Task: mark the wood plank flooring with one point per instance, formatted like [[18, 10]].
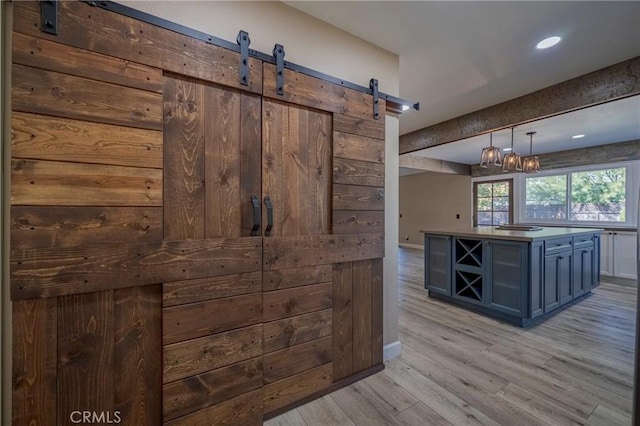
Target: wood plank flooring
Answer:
[[460, 368]]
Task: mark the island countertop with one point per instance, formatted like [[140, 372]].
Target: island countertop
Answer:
[[501, 234]]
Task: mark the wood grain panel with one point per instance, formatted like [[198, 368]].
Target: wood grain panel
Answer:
[[50, 138], [357, 126], [301, 300], [53, 272], [377, 313], [222, 159], [112, 34], [355, 172], [36, 182], [45, 54], [242, 410], [34, 362], [51, 93], [291, 389], [290, 252], [296, 277], [352, 197], [357, 222], [56, 227], [194, 320], [342, 320], [250, 158], [85, 353], [296, 330], [138, 355], [275, 135], [184, 174], [201, 289], [296, 359], [204, 390], [356, 147], [361, 315]]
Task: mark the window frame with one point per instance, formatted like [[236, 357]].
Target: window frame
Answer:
[[474, 195]]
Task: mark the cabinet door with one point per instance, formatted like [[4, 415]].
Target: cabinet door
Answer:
[[625, 255], [551, 279], [582, 278], [565, 272], [437, 264], [507, 273], [606, 253], [596, 258]]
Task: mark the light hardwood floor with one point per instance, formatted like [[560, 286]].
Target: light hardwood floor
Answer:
[[459, 368]]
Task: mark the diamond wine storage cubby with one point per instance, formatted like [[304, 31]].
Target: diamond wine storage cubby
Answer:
[[468, 285], [469, 271], [468, 252]]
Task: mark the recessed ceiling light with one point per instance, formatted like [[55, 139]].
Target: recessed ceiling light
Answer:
[[577, 136], [506, 149], [405, 107], [548, 42]]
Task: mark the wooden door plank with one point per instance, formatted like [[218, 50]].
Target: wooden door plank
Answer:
[[57, 227], [355, 126], [204, 390], [85, 353], [36, 182], [245, 409], [222, 161], [296, 277], [377, 313], [320, 152], [275, 135], [343, 320], [354, 147], [250, 159], [51, 93], [296, 359], [184, 158], [200, 319], [352, 197], [138, 356], [296, 301], [361, 315], [355, 172], [201, 289], [297, 195], [34, 362], [197, 356], [279, 394], [296, 330], [40, 53], [54, 272], [357, 222], [43, 137]]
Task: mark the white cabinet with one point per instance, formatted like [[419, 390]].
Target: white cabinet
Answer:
[[619, 254]]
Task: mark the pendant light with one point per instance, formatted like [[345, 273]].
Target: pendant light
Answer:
[[512, 162], [491, 156], [531, 164]]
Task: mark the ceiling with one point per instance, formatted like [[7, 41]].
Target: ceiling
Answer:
[[457, 57]]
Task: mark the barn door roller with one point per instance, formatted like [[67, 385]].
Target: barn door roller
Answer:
[[49, 14], [243, 40], [373, 85], [278, 54]]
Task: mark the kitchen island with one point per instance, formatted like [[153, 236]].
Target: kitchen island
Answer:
[[513, 275]]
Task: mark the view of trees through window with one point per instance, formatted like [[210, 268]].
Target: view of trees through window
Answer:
[[493, 203]]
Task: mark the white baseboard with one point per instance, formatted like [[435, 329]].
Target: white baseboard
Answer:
[[391, 350], [415, 246]]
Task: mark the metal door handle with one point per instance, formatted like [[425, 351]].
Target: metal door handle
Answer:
[[267, 203], [255, 201]]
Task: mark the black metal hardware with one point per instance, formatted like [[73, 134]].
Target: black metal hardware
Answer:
[[278, 55], [373, 85], [49, 13], [267, 203], [255, 201], [243, 40]]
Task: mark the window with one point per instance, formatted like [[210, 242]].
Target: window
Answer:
[[493, 203]]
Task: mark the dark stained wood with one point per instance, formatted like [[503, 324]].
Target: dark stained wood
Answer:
[[53, 272], [34, 362], [296, 359], [50, 138], [342, 320], [101, 31], [361, 315], [296, 277], [250, 158], [85, 353], [355, 172], [199, 319], [284, 392], [196, 356], [352, 197], [300, 300], [356, 222], [51, 93], [356, 147], [138, 355], [39, 53], [53, 226], [195, 393], [36, 182], [184, 133], [275, 135], [198, 290], [290, 252], [377, 314], [222, 160], [356, 126], [242, 410], [296, 330]]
